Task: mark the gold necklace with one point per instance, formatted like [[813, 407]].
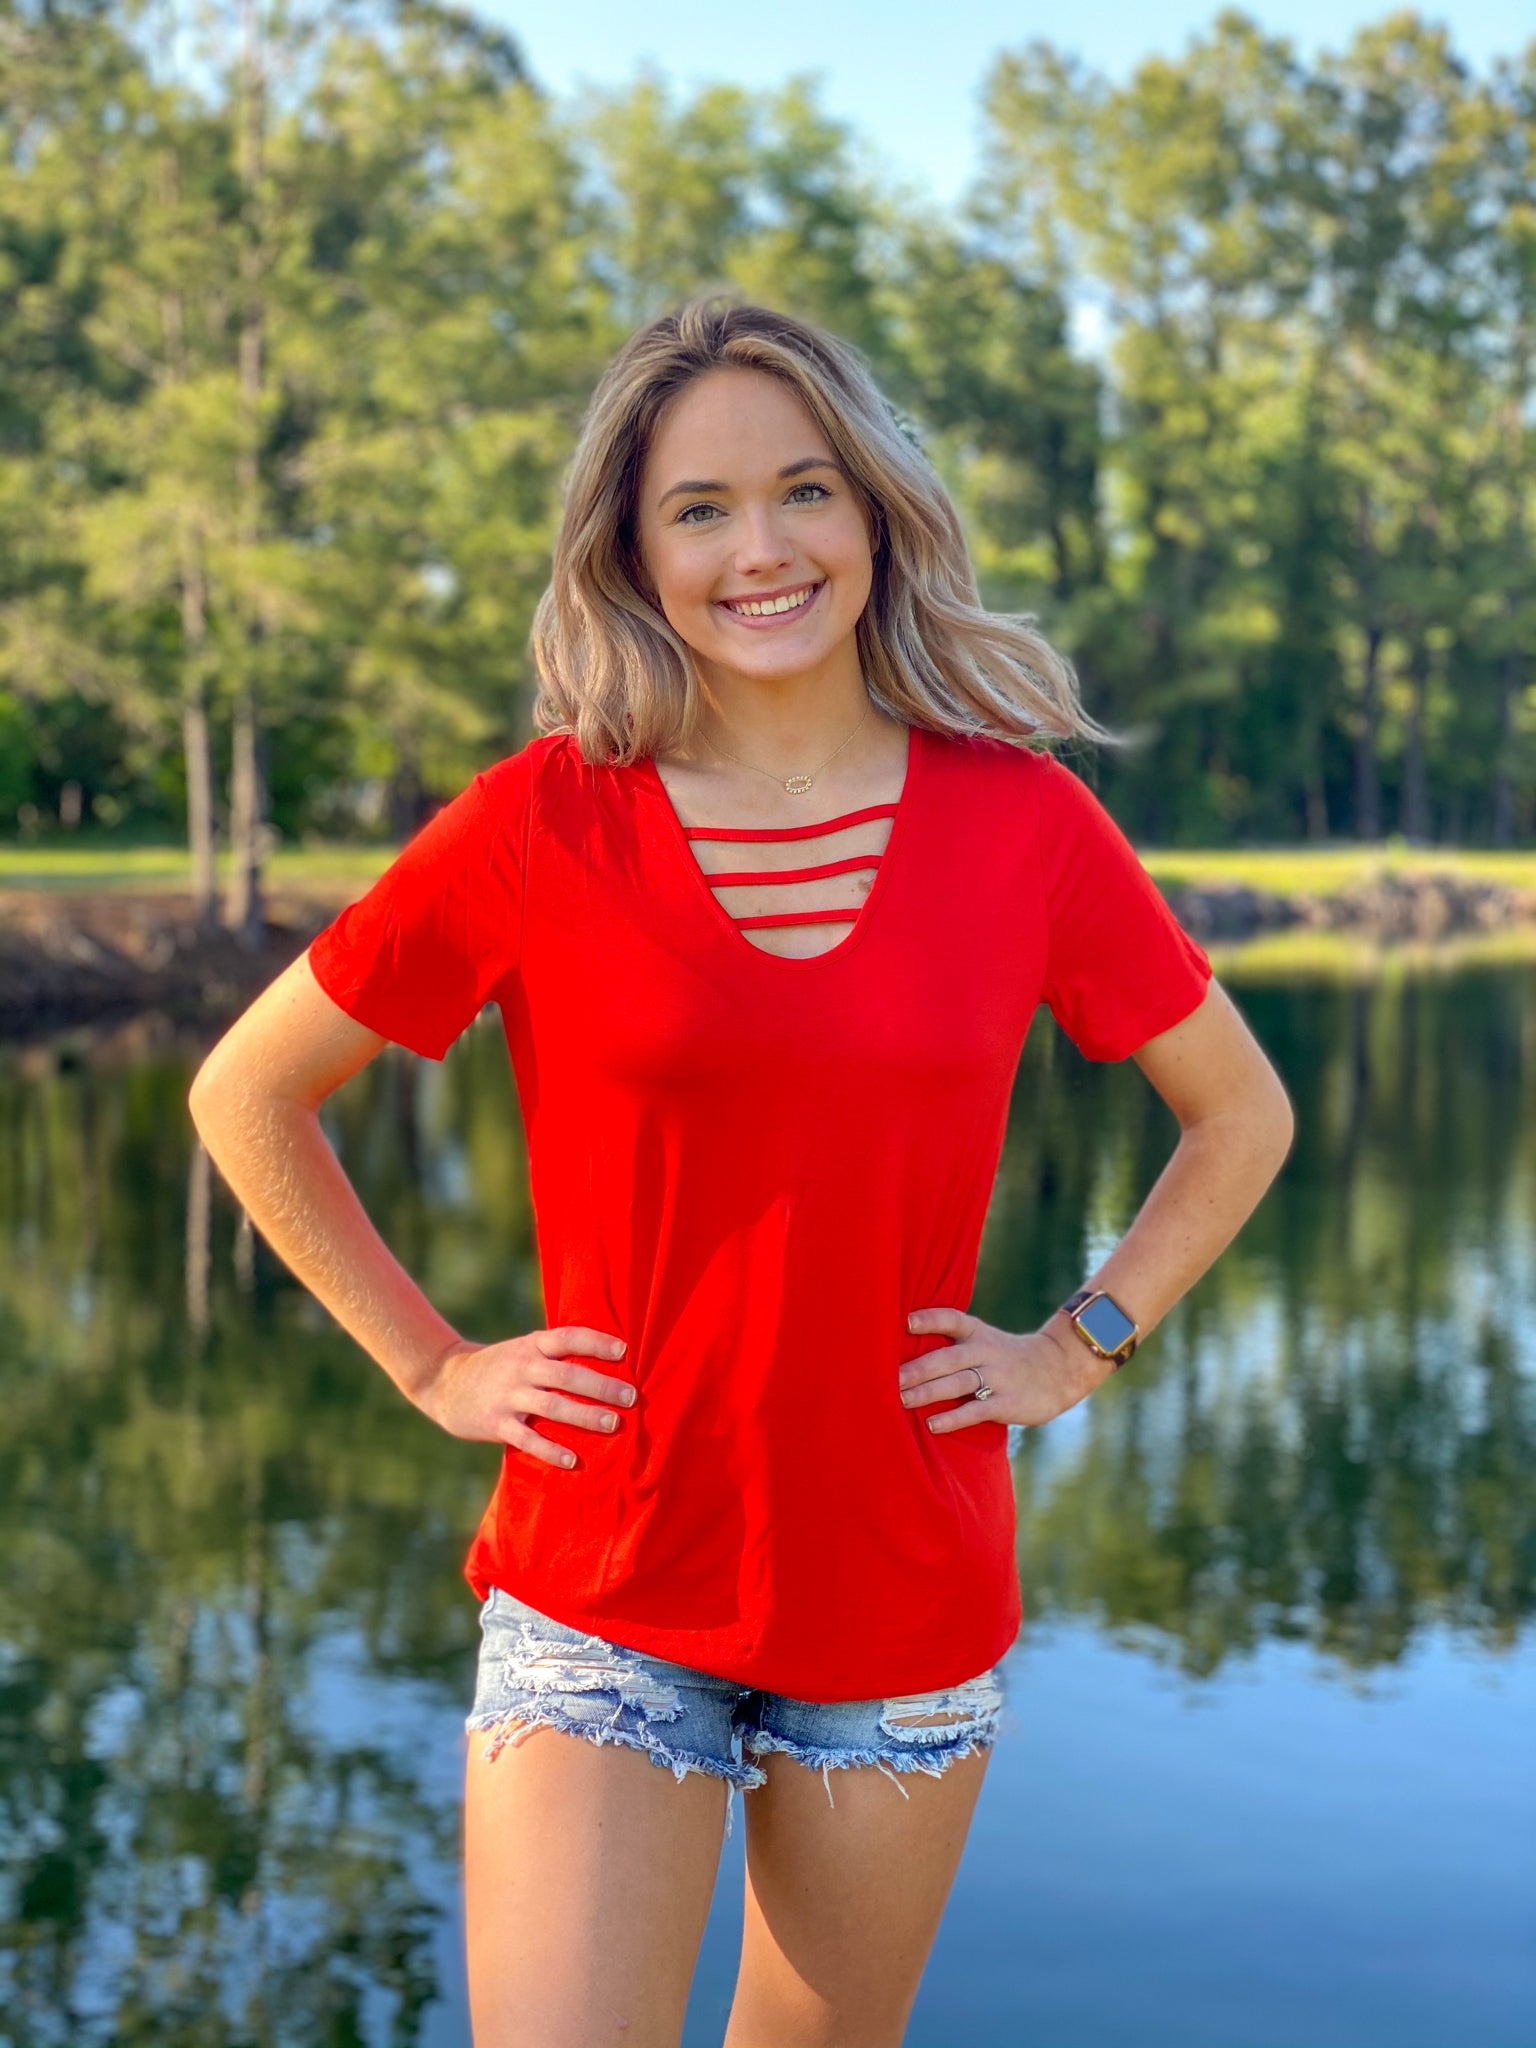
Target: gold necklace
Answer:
[[796, 785]]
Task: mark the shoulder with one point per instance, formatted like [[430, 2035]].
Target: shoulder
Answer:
[[510, 781], [1059, 792], [503, 798], [1009, 785], [1014, 771]]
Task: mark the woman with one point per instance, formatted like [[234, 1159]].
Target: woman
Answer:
[[767, 905]]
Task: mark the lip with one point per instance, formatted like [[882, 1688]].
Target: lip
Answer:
[[760, 625]]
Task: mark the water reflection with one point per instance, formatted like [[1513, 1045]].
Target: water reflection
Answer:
[[235, 1644]]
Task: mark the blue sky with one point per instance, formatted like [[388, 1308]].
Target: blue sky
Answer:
[[906, 76]]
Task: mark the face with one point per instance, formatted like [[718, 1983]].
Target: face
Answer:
[[754, 539]]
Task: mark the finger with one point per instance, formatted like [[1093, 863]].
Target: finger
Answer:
[[959, 1418], [577, 1337], [522, 1438], [943, 1322], [946, 1359], [581, 1379], [584, 1414], [945, 1386]]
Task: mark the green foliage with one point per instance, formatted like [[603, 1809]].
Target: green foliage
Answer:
[[1279, 515]]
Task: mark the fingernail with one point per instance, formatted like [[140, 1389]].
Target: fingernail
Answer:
[[912, 1322], [566, 1458], [630, 1397], [619, 1346], [610, 1422]]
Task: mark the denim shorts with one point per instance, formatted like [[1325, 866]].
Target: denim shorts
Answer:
[[537, 1672]]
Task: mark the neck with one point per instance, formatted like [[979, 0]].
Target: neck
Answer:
[[787, 722]]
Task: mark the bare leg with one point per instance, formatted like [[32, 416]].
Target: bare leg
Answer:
[[588, 1873], [843, 1904]]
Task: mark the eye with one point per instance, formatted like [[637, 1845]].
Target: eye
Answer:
[[820, 490], [685, 517]]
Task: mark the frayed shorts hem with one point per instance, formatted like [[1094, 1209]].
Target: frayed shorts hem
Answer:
[[536, 1672], [888, 1760], [678, 1762]]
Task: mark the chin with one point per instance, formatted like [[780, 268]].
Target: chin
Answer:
[[770, 664]]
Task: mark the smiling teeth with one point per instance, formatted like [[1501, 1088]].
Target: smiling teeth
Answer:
[[774, 604]]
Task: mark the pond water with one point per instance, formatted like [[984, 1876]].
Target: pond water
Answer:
[[1268, 1776]]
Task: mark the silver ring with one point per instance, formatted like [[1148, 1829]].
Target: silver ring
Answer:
[[983, 1391]]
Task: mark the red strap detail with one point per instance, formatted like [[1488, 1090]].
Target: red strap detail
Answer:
[[790, 831], [831, 867], [804, 917]]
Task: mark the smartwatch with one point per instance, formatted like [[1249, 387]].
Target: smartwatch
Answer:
[[1102, 1324]]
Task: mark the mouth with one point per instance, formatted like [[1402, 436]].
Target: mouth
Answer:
[[773, 607]]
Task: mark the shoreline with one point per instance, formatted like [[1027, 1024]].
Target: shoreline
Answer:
[[1390, 904], [79, 956], [71, 957]]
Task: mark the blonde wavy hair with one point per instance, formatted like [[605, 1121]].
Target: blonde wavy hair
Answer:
[[614, 673]]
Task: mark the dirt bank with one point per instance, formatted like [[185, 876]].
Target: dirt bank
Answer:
[[72, 957], [1387, 905]]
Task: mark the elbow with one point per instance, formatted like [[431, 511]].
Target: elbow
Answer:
[[1280, 1118], [207, 1093], [1261, 1120], [200, 1100], [1268, 1111]]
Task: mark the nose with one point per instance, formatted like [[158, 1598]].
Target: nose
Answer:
[[760, 543]]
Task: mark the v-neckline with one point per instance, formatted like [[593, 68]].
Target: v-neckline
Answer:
[[722, 917]]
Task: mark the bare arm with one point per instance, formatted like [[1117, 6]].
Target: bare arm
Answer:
[[255, 1102], [1236, 1129]]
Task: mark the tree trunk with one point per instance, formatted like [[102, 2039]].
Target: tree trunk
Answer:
[[1316, 797], [1502, 823], [1413, 811], [405, 798], [196, 739], [1512, 663], [1314, 784], [244, 910], [1367, 769]]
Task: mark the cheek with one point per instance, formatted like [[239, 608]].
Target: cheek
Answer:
[[850, 561], [847, 543], [684, 579]]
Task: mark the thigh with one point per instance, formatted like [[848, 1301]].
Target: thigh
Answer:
[[844, 1896], [588, 1874], [595, 1792]]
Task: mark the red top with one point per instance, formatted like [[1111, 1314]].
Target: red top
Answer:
[[753, 1167]]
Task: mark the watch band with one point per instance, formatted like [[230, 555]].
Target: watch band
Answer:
[[1080, 1299]]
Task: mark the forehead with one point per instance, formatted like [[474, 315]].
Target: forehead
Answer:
[[731, 422]]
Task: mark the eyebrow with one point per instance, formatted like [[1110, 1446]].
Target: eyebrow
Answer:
[[790, 469]]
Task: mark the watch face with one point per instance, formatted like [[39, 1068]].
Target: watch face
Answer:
[[1106, 1324]]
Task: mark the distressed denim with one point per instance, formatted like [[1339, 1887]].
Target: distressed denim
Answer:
[[535, 1672]]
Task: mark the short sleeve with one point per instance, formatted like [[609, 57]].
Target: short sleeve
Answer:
[[1121, 968], [438, 934]]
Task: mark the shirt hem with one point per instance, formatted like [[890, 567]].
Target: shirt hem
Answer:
[[715, 1654]]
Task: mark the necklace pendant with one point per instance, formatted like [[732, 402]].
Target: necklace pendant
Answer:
[[797, 785]]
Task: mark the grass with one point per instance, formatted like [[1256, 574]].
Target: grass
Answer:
[[334, 870], [1325, 870]]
